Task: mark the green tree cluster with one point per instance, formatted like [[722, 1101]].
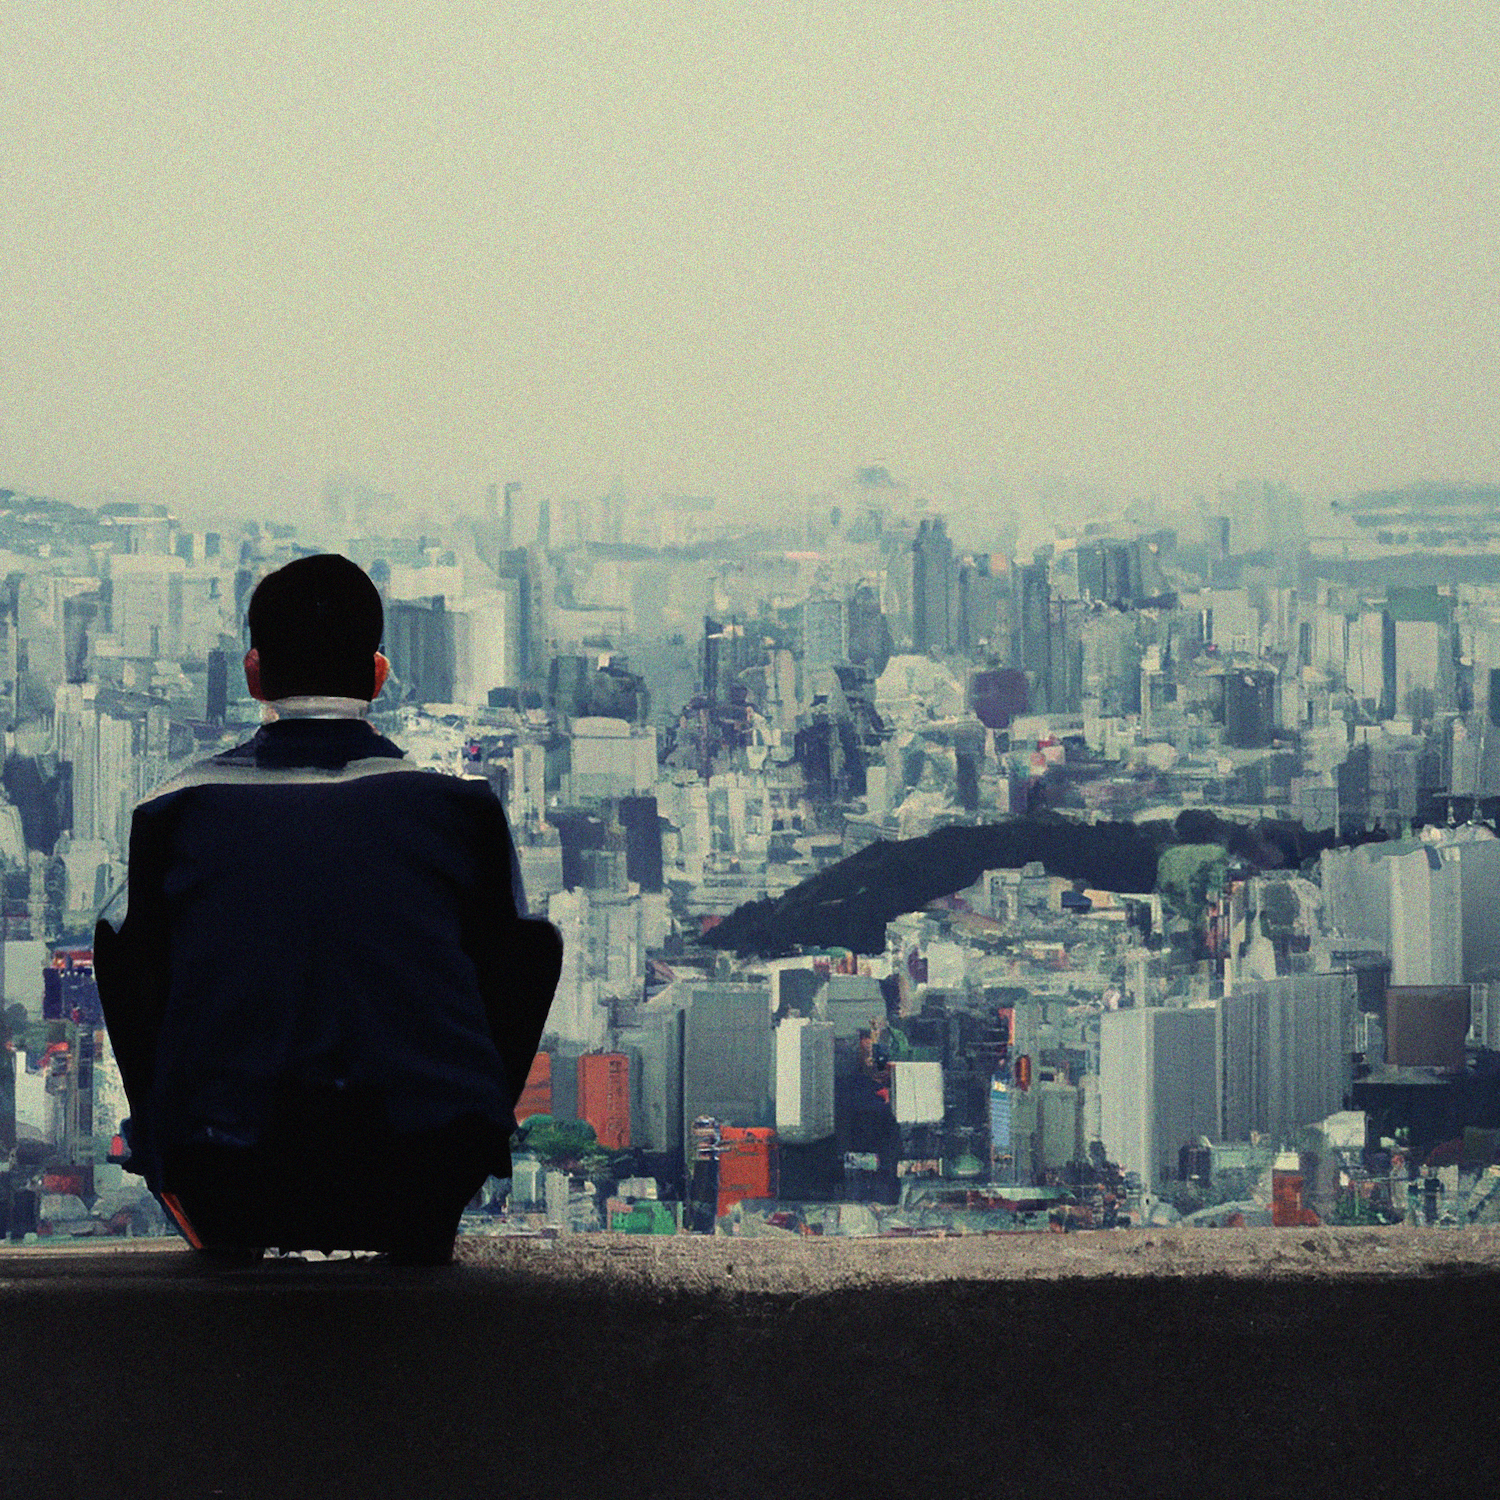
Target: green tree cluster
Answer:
[[567, 1145], [1187, 874]]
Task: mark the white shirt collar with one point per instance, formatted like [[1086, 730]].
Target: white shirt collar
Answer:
[[310, 707]]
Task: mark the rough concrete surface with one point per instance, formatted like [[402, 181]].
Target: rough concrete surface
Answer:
[[1249, 1362], [796, 1266]]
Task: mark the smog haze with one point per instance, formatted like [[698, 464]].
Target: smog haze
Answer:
[[739, 249]]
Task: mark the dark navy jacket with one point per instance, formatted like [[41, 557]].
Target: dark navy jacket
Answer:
[[310, 908]]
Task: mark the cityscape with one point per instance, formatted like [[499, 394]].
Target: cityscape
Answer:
[[964, 539], [917, 877]]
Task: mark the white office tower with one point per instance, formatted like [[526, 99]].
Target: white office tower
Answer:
[[486, 644], [1424, 667], [1429, 903], [12, 836], [1426, 917], [1158, 1086], [39, 622], [1444, 896], [804, 1080], [1364, 660], [577, 1014], [917, 1093], [37, 1115], [1230, 620], [25, 959], [1284, 1054], [89, 877], [1357, 893], [606, 934], [115, 762]]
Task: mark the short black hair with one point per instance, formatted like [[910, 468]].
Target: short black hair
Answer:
[[317, 624]]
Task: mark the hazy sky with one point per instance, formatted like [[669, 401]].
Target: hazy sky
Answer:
[[715, 248]]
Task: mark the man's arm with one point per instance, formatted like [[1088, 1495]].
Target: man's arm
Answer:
[[132, 966], [518, 959]]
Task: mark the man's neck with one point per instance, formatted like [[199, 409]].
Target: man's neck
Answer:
[[308, 706]]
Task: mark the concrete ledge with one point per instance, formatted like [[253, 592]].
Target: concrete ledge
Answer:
[[791, 1265], [1086, 1364]]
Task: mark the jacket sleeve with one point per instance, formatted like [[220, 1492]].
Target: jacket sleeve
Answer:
[[518, 958], [133, 966]]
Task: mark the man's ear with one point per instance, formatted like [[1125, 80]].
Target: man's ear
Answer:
[[382, 671], [252, 675]]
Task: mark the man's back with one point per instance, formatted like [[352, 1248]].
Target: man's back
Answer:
[[325, 925], [313, 918]]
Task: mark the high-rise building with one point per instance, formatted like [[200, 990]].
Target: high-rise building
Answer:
[[146, 597], [934, 595], [869, 634], [641, 823], [488, 645], [1059, 1139], [419, 643], [654, 1045], [726, 1063], [604, 1097], [116, 756], [611, 758], [804, 1080], [1013, 1124], [216, 693], [1429, 903], [1249, 708], [983, 616], [1158, 1086], [824, 644], [1032, 651], [1109, 572], [518, 574], [1423, 668], [1285, 1053]]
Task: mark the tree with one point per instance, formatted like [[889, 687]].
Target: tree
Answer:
[[1187, 875], [569, 1145]]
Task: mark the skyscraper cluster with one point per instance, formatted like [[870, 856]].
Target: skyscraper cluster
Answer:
[[688, 716]]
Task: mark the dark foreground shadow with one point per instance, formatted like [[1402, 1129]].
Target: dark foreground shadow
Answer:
[[149, 1374]]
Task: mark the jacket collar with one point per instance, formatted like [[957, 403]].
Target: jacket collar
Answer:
[[310, 707]]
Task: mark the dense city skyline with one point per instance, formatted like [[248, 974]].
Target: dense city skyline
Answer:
[[905, 884]]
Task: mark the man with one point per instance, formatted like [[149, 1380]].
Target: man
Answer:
[[323, 999]]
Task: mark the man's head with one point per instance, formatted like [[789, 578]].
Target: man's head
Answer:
[[315, 628]]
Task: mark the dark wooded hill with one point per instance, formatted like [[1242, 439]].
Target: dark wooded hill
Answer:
[[848, 904]]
